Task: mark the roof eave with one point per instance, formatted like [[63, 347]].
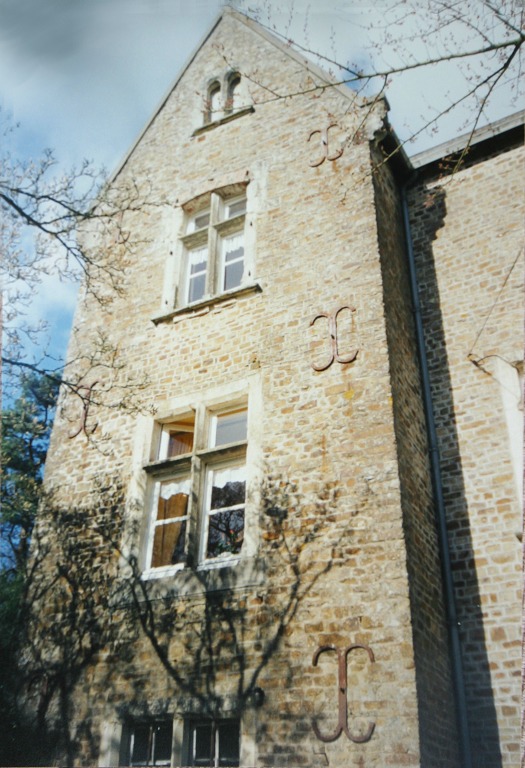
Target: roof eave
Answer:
[[477, 142]]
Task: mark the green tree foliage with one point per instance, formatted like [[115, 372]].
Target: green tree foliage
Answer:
[[26, 428]]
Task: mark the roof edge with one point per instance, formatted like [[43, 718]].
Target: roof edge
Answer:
[[470, 139], [288, 49], [271, 38], [120, 165]]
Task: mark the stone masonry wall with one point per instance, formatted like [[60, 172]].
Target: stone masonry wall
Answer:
[[332, 507], [468, 238]]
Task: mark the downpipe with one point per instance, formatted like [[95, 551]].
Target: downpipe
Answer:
[[448, 583]]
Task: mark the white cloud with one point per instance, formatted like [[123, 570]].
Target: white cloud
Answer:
[[89, 74]]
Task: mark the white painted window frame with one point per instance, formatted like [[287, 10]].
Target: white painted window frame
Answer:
[[221, 227], [204, 456]]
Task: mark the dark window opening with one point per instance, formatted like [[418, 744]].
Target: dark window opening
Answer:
[[215, 743], [150, 743]]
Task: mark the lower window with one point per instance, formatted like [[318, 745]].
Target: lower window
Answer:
[[223, 513], [198, 488], [214, 743], [150, 743]]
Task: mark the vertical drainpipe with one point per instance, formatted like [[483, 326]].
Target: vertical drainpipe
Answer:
[[435, 468]]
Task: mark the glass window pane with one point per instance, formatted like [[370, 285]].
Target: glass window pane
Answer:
[[228, 487], [233, 276], [234, 94], [169, 538], [140, 745], [234, 254], [233, 260], [162, 744], [235, 208], [168, 544], [173, 498], [177, 437], [197, 268], [230, 427], [225, 533], [198, 221], [198, 260], [233, 247], [201, 220], [214, 102], [229, 743], [202, 744], [179, 443], [196, 288]]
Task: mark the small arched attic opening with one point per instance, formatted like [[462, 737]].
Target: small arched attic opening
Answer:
[[213, 102], [233, 96]]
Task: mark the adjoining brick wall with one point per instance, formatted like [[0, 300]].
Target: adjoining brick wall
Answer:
[[468, 239], [437, 716]]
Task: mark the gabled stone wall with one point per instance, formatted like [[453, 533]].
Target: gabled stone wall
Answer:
[[329, 560], [338, 558]]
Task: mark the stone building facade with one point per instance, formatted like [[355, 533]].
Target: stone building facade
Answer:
[[259, 561]]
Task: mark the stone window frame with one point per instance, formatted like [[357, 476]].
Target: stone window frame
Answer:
[[233, 94], [196, 466], [216, 724], [115, 733], [127, 741], [213, 102], [186, 750], [173, 306]]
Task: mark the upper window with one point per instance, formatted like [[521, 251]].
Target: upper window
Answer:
[[197, 510], [233, 101], [214, 248]]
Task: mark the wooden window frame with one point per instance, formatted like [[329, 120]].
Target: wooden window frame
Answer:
[[195, 465], [213, 236]]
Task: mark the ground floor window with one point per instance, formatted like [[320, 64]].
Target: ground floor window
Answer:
[[181, 741], [214, 743], [149, 743]]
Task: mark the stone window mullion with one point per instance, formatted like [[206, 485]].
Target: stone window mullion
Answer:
[[213, 246], [197, 480]]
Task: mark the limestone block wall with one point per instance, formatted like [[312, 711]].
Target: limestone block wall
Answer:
[[332, 509], [468, 238]]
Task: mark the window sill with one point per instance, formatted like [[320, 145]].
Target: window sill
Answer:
[[183, 462], [223, 120], [174, 464], [214, 576], [203, 306]]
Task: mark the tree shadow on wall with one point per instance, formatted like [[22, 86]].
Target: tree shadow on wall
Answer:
[[96, 639], [428, 216], [63, 625]]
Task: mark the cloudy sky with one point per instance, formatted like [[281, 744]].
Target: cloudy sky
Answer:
[[84, 76]]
